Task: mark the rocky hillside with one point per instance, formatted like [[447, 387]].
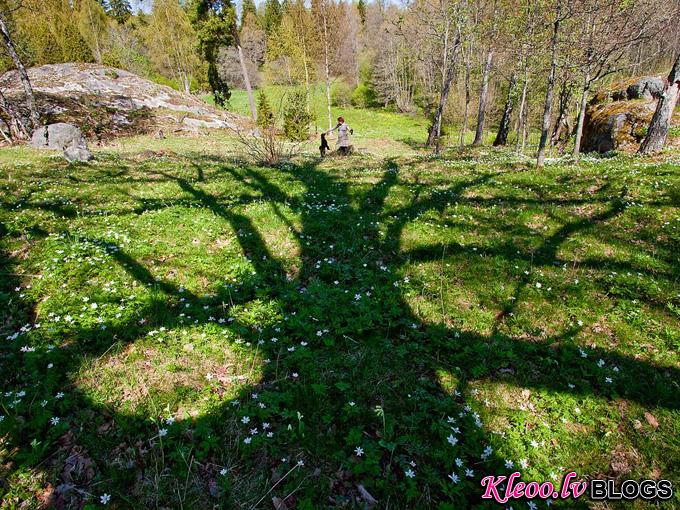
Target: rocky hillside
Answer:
[[106, 102]]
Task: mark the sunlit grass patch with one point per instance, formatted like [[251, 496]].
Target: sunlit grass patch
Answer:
[[184, 372]]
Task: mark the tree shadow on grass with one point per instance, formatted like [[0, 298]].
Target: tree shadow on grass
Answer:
[[352, 365]]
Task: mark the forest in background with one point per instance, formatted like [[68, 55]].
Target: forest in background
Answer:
[[514, 66]]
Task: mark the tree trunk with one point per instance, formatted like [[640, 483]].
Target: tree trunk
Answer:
[[326, 64], [479, 134], [550, 91], [565, 97], [504, 126], [23, 75], [521, 119], [581, 116], [661, 121], [17, 129], [244, 72], [306, 67], [466, 109], [435, 133]]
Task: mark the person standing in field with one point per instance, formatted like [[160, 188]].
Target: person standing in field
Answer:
[[343, 136]]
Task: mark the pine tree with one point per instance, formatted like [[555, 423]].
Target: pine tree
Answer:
[[49, 33], [248, 12], [272, 16], [120, 10], [214, 23], [296, 119], [265, 114]]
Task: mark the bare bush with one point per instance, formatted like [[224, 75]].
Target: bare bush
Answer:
[[266, 146]]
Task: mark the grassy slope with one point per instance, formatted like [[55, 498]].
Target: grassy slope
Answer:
[[348, 303], [372, 128]]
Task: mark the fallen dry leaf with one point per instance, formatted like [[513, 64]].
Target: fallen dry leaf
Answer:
[[47, 496], [651, 420]]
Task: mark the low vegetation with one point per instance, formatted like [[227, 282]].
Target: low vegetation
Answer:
[[182, 329]]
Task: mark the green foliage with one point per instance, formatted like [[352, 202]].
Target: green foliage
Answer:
[[273, 12], [674, 195], [407, 319], [169, 27], [112, 59], [367, 124], [249, 12], [74, 48], [265, 114], [361, 8], [296, 119], [93, 25], [120, 10], [214, 22], [48, 33], [364, 96], [341, 94], [219, 87]]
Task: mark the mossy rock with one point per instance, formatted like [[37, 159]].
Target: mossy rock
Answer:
[[616, 125], [618, 116]]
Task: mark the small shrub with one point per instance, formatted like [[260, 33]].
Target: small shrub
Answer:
[[112, 59], [265, 114], [364, 96], [444, 130], [111, 73], [296, 118], [266, 147], [341, 94]]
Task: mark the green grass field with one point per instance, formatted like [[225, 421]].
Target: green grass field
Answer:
[[372, 127], [376, 130], [182, 329]]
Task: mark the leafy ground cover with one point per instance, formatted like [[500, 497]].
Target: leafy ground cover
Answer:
[[184, 330]]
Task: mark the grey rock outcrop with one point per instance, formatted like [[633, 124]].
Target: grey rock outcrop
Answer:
[[64, 137], [649, 88], [112, 102], [57, 136]]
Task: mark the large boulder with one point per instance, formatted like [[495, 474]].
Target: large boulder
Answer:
[[617, 118], [57, 136], [616, 126], [63, 137]]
